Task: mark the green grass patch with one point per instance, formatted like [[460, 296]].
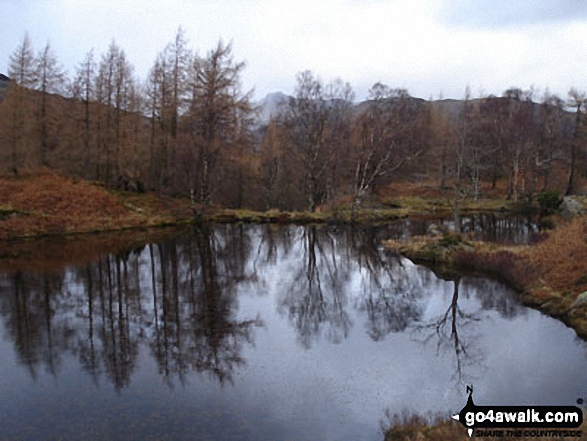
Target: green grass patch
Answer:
[[305, 217]]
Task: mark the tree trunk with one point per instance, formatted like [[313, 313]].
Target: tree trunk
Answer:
[[455, 212], [571, 183]]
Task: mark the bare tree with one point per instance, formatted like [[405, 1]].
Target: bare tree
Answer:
[[340, 96], [271, 165], [577, 100], [179, 58], [84, 90], [114, 88], [382, 148], [22, 64], [550, 138], [50, 80], [157, 104], [167, 98], [521, 131], [316, 125], [22, 72], [219, 116], [462, 155], [305, 121]]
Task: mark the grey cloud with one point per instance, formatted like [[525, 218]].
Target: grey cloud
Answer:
[[507, 13]]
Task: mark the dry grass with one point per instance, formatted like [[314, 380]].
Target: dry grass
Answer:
[[558, 261], [561, 259], [550, 274], [46, 203], [343, 216]]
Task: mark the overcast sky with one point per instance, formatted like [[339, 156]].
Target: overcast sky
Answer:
[[430, 47]]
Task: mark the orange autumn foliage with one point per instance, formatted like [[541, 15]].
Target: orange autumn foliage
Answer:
[[46, 203]]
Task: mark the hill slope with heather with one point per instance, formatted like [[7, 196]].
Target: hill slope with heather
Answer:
[[47, 203]]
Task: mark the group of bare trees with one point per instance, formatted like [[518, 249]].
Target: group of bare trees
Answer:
[[190, 129], [530, 144], [180, 131], [90, 126], [333, 149]]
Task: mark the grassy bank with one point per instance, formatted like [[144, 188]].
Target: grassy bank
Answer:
[[331, 216], [49, 204], [551, 275], [45, 203]]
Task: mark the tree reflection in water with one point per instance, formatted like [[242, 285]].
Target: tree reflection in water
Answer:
[[316, 301], [338, 268], [38, 338], [454, 329], [198, 330], [390, 294], [177, 297], [445, 330]]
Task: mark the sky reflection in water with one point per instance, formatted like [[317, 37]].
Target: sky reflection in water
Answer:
[[264, 332]]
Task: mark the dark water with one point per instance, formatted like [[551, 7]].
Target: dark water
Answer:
[[262, 333], [492, 227]]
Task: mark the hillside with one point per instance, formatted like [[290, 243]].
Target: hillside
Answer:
[[47, 203]]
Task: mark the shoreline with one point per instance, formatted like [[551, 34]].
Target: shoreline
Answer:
[[539, 273], [47, 204]]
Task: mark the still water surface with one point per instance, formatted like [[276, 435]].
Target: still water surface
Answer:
[[264, 333], [491, 227]]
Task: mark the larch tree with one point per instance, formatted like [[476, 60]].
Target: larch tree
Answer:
[[22, 72], [156, 104], [83, 90], [114, 84], [167, 98], [218, 119], [50, 79], [179, 58]]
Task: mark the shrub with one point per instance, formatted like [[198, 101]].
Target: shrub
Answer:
[[450, 240], [560, 259], [549, 201], [547, 223], [502, 264]]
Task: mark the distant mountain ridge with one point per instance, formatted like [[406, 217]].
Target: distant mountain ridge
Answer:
[[274, 103], [271, 106]]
